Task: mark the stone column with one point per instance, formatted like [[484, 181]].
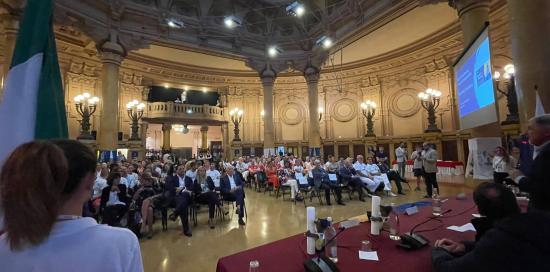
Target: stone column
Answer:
[[268, 79], [166, 129], [311, 75], [144, 126], [530, 28], [10, 27], [111, 57], [391, 153], [204, 138], [473, 15], [225, 141]]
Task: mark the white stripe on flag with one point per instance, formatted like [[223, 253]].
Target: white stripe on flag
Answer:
[[18, 108]]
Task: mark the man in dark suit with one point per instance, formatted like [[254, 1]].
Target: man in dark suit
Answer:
[[231, 187], [349, 176], [536, 182], [178, 191], [321, 181]]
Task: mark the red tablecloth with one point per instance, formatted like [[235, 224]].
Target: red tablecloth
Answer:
[[451, 164], [289, 254]]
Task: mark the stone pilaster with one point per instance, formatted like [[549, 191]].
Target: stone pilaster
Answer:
[[268, 79], [311, 74]]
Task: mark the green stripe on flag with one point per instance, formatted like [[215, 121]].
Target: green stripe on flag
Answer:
[[36, 36], [51, 118]]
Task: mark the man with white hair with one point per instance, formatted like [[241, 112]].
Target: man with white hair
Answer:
[[535, 182], [375, 174], [363, 173]]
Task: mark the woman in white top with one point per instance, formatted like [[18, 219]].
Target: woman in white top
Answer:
[[44, 230], [502, 164]]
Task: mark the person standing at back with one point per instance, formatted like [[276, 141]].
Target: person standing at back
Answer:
[[416, 156], [44, 229], [429, 163], [401, 155]]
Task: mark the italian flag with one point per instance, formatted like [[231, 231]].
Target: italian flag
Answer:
[[33, 105]]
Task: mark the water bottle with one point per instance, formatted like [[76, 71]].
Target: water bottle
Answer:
[[331, 247], [436, 203], [393, 222]]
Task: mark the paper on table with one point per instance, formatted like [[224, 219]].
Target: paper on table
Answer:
[[464, 228], [368, 255]]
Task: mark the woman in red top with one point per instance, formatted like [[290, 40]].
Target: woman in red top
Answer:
[[271, 171]]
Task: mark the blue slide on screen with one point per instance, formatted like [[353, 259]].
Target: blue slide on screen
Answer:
[[474, 81]]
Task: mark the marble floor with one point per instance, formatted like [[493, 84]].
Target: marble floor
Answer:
[[269, 219]]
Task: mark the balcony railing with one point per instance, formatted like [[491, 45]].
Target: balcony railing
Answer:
[[171, 110]]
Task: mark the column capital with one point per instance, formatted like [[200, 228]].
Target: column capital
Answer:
[[311, 74], [166, 126], [204, 128], [111, 50], [463, 6]]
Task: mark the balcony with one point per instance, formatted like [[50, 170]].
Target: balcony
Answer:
[[171, 112]]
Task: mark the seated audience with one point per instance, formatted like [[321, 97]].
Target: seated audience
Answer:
[[51, 234], [215, 175], [392, 175], [364, 175], [332, 165], [516, 242], [290, 179], [178, 191], [144, 198], [232, 190], [321, 180], [203, 188], [114, 200], [375, 174], [99, 184], [350, 178]]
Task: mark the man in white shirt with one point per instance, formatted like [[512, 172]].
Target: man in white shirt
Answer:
[[375, 174], [132, 177], [123, 176], [214, 174], [192, 172], [361, 169], [401, 157]]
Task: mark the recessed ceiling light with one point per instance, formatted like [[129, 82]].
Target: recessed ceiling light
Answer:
[[185, 88], [327, 43], [166, 85], [273, 51], [204, 89], [295, 9], [231, 21], [174, 23]]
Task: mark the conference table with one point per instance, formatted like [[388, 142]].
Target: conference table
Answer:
[[289, 254], [448, 168]]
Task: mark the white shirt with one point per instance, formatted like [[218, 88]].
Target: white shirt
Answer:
[[99, 184], [77, 245], [132, 179], [501, 166], [215, 176], [192, 174], [124, 181], [181, 182], [401, 154], [232, 182], [416, 156], [373, 169], [361, 167]]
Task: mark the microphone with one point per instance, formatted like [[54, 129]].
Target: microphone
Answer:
[[429, 219], [412, 241]]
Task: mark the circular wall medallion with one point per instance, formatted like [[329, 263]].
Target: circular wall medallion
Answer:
[[404, 103], [344, 110], [291, 113]]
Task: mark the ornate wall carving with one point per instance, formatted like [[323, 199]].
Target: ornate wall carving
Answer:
[[344, 110], [291, 113], [404, 103]]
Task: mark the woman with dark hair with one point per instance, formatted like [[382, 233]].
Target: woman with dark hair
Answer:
[[114, 200], [42, 213], [502, 164]]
